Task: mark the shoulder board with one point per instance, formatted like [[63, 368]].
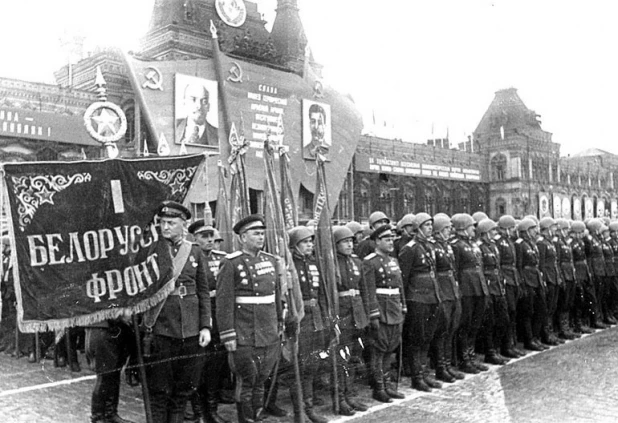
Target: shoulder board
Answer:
[[454, 241], [411, 244], [498, 237], [234, 255], [267, 254], [431, 239], [519, 241], [223, 253], [554, 239], [539, 239], [370, 256], [354, 255]]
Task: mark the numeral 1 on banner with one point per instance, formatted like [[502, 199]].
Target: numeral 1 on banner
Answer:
[[117, 196]]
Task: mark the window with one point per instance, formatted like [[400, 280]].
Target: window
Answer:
[[498, 167]]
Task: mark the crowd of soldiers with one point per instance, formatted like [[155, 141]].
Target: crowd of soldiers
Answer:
[[432, 298]]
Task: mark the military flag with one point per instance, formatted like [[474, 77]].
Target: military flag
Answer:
[[222, 215], [86, 244]]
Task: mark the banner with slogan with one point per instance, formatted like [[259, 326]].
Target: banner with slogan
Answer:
[[87, 247]]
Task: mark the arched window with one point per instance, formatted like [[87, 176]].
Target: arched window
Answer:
[[500, 206], [498, 167]]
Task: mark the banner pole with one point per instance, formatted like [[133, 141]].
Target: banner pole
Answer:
[[142, 370]]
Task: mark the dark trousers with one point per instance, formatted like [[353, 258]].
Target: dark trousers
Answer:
[[552, 294], [421, 324], [448, 323], [252, 366], [513, 293], [110, 349], [214, 372], [472, 313], [496, 323], [173, 373], [532, 313]]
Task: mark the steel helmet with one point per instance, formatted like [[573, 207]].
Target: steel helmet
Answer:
[[506, 222], [406, 220], [525, 224], [613, 226], [606, 220], [478, 216], [298, 233], [421, 218], [546, 222], [462, 221], [354, 226], [562, 223], [594, 225], [486, 225], [376, 217], [533, 217], [342, 232], [441, 221], [578, 226]]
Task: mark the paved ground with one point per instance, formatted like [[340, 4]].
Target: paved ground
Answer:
[[575, 382]]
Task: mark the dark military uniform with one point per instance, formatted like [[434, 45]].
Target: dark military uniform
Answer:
[[448, 322], [386, 303], [548, 265], [596, 262], [508, 265], [247, 313], [422, 294], [585, 296], [365, 247], [474, 293], [609, 283], [566, 298], [614, 287], [176, 362], [215, 364], [532, 310], [496, 322]]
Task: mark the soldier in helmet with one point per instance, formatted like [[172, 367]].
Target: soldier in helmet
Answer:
[[548, 265], [205, 400], [376, 220], [448, 321], [249, 315], [496, 321], [596, 260], [357, 230], [613, 242], [567, 271], [532, 308], [585, 303], [353, 313], [508, 265], [386, 298], [473, 288], [610, 277], [408, 228], [418, 267]]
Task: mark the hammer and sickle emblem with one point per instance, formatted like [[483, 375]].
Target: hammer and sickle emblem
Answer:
[[318, 89], [235, 73], [154, 79]]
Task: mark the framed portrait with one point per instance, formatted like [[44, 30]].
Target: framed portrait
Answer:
[[317, 129], [196, 111]]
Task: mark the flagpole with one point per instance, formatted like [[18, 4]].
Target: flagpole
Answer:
[[216, 56], [142, 370]]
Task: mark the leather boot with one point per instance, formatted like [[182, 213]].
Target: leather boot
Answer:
[[455, 373], [379, 394], [315, 417], [245, 413], [117, 419], [176, 418], [442, 372], [356, 405], [565, 330], [345, 409], [492, 357], [466, 365], [418, 382], [475, 362], [210, 406], [429, 379]]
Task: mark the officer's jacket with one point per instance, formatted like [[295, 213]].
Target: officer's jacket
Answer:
[[382, 274], [401, 242], [213, 260], [365, 247], [312, 289], [565, 259], [614, 244], [608, 254], [418, 267], [594, 255], [491, 267], [445, 265], [528, 262], [548, 260], [469, 267], [241, 277], [353, 309], [578, 247], [182, 316], [508, 259]]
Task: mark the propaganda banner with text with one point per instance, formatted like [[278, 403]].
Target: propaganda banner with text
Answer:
[[86, 243]]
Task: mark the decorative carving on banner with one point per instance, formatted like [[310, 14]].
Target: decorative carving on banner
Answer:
[[175, 178], [33, 191]]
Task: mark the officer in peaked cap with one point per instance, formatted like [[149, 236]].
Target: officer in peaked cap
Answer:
[[249, 314], [386, 298], [205, 400], [181, 325]]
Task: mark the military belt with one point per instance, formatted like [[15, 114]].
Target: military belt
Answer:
[[446, 273], [387, 291], [349, 293], [183, 290], [310, 303], [424, 274], [508, 266], [266, 299], [581, 262], [213, 293]]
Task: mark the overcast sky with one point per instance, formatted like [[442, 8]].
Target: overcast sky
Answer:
[[414, 65]]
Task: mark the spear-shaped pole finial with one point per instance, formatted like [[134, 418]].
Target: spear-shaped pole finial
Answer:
[[213, 30], [99, 81]]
